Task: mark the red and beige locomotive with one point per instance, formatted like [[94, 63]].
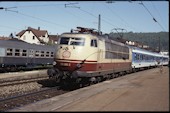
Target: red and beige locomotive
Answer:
[[86, 55]]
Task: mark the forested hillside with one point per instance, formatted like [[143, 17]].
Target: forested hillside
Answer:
[[151, 38]]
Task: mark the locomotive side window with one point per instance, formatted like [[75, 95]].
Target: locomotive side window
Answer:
[[114, 51], [9, 52], [17, 52], [93, 43]]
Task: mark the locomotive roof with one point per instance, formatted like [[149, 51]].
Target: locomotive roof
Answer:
[[24, 45]]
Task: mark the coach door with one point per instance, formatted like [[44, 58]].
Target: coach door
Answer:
[[31, 59]]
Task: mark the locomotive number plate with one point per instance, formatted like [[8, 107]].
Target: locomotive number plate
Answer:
[[65, 64]]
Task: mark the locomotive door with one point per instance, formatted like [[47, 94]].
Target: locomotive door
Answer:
[[100, 54], [31, 60]]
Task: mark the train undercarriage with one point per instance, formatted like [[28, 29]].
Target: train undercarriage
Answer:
[[84, 78]]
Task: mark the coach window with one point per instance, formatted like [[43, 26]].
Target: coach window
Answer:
[[17, 52], [42, 53], [47, 54], [24, 52], [9, 52], [52, 54], [37, 53], [93, 43], [135, 56], [141, 57]]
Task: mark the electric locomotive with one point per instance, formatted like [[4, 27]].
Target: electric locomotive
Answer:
[[87, 55]]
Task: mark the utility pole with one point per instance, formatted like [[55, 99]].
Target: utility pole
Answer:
[[99, 25], [159, 45]]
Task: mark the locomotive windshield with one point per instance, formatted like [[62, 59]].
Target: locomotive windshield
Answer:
[[72, 41]]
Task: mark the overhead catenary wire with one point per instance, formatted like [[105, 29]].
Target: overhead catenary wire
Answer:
[[151, 15], [53, 23], [119, 17], [45, 5], [73, 5], [76, 16], [157, 12], [97, 17]]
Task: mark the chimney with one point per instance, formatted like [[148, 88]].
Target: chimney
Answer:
[[38, 28], [29, 27]]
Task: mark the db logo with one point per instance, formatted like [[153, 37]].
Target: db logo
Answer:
[[66, 54]]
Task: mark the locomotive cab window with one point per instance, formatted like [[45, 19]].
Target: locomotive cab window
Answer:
[[77, 41], [93, 43], [64, 40], [72, 41]]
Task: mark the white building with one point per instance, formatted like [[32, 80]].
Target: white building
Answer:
[[32, 35]]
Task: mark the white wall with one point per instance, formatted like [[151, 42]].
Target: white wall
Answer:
[[28, 37], [45, 39]]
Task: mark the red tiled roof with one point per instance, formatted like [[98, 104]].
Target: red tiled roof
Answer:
[[36, 32], [21, 33], [4, 38], [53, 37]]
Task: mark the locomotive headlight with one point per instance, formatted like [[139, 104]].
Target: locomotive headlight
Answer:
[[78, 65], [54, 63]]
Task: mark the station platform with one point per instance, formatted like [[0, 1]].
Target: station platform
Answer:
[[142, 91], [12, 76]]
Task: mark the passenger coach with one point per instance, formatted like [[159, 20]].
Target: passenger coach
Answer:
[[16, 54], [146, 59]]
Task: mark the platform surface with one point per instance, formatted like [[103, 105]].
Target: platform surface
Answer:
[[142, 91]]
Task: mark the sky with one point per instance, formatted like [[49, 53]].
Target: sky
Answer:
[[58, 17]]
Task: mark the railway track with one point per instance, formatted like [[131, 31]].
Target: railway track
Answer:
[[20, 100], [22, 81]]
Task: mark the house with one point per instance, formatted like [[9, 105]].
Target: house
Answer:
[[53, 39], [33, 36]]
